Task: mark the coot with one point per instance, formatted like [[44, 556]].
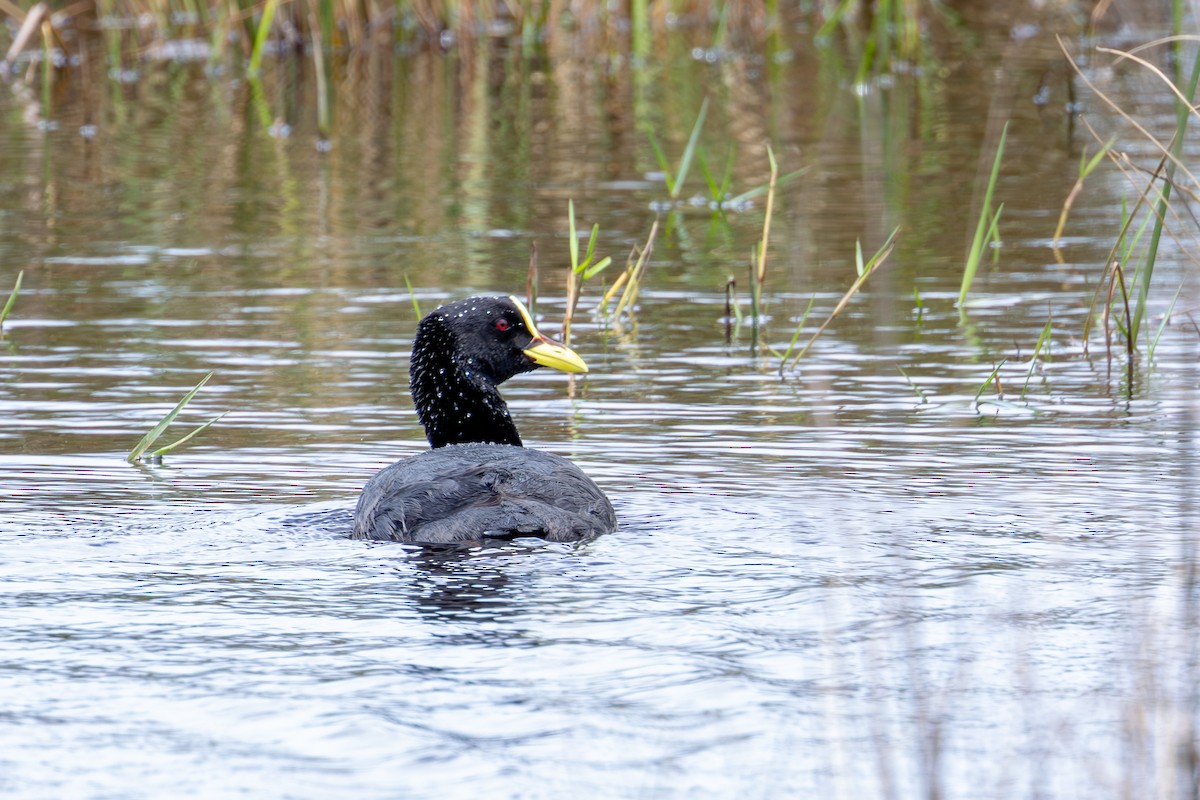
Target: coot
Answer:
[[478, 482]]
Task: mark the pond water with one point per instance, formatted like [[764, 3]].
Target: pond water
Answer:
[[863, 578]]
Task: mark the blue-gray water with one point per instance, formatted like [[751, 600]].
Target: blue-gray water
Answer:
[[830, 584]]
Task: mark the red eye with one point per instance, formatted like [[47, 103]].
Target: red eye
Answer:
[[502, 324]]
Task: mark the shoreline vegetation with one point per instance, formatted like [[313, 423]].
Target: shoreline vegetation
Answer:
[[45, 41], [65, 57]]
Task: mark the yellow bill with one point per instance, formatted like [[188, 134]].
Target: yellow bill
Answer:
[[546, 352]]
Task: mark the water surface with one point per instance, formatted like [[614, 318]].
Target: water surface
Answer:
[[826, 583]]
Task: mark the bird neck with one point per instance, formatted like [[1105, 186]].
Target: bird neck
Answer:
[[456, 402]]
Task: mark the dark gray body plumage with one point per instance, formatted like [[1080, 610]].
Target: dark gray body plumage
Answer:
[[471, 492]]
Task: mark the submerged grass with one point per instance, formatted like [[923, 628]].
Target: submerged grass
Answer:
[[138, 451]]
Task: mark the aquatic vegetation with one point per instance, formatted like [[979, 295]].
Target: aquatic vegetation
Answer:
[[924, 398], [992, 378], [1042, 342], [631, 278], [261, 33], [12, 298], [1126, 300], [1086, 167], [733, 310], [865, 270], [893, 32], [758, 271], [413, 297], [581, 271], [986, 230], [674, 180], [720, 199], [137, 453]]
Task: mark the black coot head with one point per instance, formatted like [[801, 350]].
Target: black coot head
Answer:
[[495, 336]]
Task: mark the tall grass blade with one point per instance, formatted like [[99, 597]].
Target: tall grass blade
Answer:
[[597, 268], [766, 234], [924, 397], [990, 379], [985, 225], [717, 190], [150, 438], [1086, 167], [413, 296], [321, 70], [572, 236], [12, 297], [1163, 325], [1042, 341], [663, 163], [750, 194], [689, 151], [786, 354], [872, 264], [1183, 107], [636, 272], [164, 450], [591, 245]]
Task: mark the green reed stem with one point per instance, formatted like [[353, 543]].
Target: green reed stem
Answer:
[[261, 35], [12, 297]]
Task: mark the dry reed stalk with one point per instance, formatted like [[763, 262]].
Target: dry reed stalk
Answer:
[[629, 296], [572, 301], [531, 279]]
